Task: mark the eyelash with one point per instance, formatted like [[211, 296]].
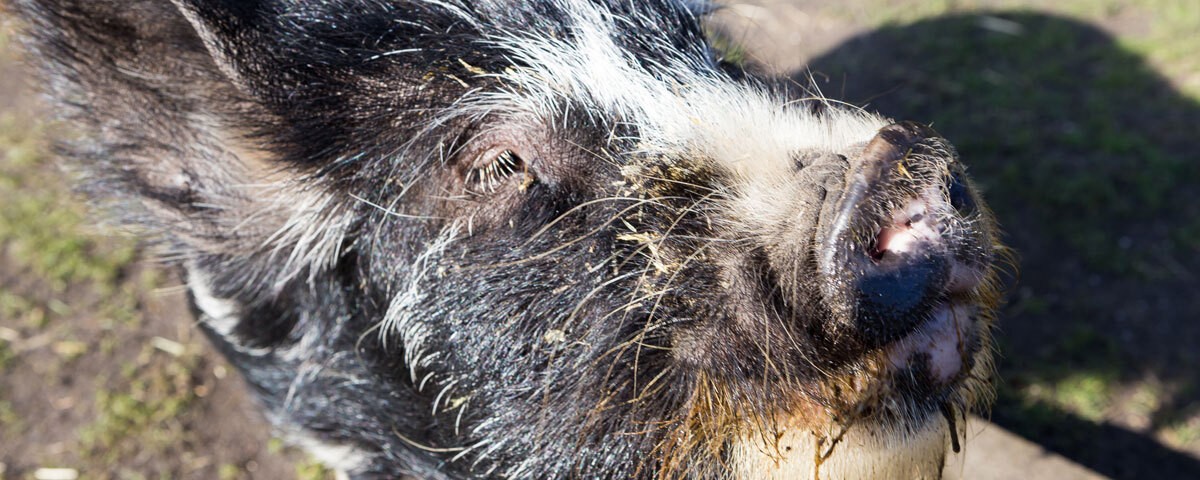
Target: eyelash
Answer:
[[488, 177]]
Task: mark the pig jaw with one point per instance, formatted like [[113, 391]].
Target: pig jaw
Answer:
[[860, 453]]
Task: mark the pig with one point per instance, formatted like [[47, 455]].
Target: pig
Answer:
[[535, 239]]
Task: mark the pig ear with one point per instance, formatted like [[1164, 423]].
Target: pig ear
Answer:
[[232, 32], [171, 130]]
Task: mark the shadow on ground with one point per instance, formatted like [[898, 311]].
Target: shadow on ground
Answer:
[[1089, 159]]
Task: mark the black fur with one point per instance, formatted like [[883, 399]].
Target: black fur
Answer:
[[582, 321]]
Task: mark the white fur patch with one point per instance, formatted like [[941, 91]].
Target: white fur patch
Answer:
[[254, 208], [311, 236], [861, 454], [686, 104], [683, 106], [220, 314], [342, 458]]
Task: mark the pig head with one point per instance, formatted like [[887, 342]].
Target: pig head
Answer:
[[546, 239]]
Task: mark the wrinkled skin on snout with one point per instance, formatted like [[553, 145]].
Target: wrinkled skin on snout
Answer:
[[555, 239]]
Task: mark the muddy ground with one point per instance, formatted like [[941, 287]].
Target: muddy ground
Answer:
[[1079, 119]]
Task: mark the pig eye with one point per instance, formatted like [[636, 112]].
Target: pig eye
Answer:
[[495, 171]]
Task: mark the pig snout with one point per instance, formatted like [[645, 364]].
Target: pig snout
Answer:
[[888, 259]]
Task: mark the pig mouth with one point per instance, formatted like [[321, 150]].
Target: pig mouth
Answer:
[[945, 344], [905, 259], [883, 287], [916, 295], [945, 338]]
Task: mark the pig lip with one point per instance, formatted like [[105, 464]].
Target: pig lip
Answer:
[[891, 285], [945, 344], [945, 339], [942, 333]]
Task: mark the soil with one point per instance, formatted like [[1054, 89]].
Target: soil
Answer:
[[69, 362]]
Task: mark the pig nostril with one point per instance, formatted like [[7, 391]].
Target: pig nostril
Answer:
[[960, 196]]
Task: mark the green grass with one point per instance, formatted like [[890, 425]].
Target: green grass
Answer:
[[75, 282], [1079, 121], [727, 49], [1087, 394], [1125, 175], [1086, 375], [9, 419], [141, 416], [1183, 435], [7, 355], [312, 470], [44, 228], [64, 275]]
